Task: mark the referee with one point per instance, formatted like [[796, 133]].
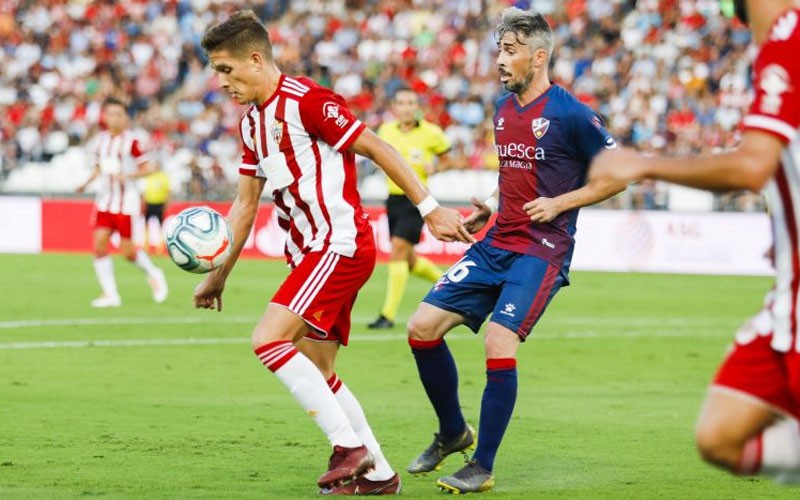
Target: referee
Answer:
[[425, 146]]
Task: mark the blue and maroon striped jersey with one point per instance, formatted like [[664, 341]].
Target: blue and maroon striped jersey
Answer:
[[544, 149]]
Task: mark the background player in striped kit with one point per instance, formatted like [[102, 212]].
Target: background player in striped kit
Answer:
[[299, 142], [119, 161], [749, 421], [425, 146], [544, 138]]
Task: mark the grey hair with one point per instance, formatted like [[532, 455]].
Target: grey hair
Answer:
[[529, 27]]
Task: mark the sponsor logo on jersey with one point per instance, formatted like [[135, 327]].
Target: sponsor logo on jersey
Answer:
[[597, 122], [330, 110], [547, 243], [508, 309], [276, 129], [774, 80], [519, 150], [524, 165], [784, 27], [540, 126], [500, 123], [317, 315]]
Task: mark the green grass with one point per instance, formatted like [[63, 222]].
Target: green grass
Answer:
[[610, 384]]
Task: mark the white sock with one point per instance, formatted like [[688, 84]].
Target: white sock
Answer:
[[308, 387], [780, 451], [104, 270], [144, 263], [358, 420]]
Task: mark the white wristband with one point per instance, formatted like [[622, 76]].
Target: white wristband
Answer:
[[492, 203], [428, 205]]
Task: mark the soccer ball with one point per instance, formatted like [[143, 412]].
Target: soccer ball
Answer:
[[199, 239]]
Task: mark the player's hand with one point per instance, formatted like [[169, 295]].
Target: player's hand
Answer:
[[479, 217], [446, 224], [542, 209], [208, 294], [80, 189], [620, 165]]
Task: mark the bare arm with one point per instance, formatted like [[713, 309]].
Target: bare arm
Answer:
[[208, 293], [447, 161], [445, 223], [544, 210], [94, 175], [749, 166], [144, 169]]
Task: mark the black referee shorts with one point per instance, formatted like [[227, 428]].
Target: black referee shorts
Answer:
[[404, 219], [154, 210]]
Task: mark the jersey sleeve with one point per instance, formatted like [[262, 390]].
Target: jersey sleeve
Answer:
[[326, 116], [776, 81], [139, 150], [440, 143], [249, 163], [590, 134]]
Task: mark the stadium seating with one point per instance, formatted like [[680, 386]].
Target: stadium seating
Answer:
[[650, 70]]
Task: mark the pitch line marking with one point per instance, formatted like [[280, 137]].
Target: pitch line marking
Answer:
[[357, 337], [189, 320]]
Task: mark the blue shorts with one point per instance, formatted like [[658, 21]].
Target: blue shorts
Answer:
[[514, 287]]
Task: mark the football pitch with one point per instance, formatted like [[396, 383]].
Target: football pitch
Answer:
[[165, 401]]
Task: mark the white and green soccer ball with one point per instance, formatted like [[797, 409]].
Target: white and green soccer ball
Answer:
[[199, 239]]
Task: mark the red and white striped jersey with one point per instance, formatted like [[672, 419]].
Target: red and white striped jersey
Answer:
[[115, 155], [776, 109], [298, 141]]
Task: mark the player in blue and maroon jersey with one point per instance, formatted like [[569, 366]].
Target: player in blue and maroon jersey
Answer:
[[545, 139]]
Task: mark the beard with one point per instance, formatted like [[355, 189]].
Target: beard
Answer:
[[519, 86]]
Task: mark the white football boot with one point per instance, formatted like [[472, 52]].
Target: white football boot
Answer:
[[158, 284], [106, 301]]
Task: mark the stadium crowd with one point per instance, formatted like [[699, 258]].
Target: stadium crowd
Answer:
[[653, 70]]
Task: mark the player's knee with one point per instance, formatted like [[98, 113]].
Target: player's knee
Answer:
[[264, 333], [715, 448], [260, 336], [421, 329]]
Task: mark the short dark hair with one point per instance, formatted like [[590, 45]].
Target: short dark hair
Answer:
[[114, 101], [242, 32]]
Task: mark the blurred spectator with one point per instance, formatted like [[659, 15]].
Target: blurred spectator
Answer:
[[652, 71]]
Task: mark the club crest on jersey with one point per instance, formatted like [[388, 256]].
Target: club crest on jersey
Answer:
[[775, 81], [276, 129], [540, 126]]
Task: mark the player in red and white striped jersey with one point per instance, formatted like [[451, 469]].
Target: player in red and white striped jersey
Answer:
[[749, 422], [299, 141], [119, 161]]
